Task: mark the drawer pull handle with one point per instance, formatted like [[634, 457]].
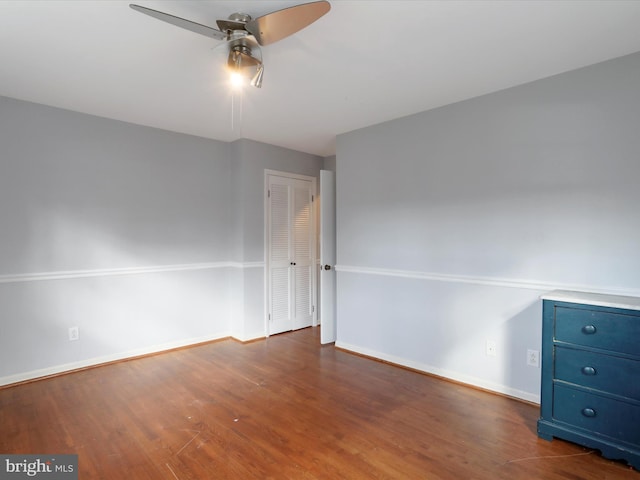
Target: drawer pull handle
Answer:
[[588, 412], [589, 329], [588, 370]]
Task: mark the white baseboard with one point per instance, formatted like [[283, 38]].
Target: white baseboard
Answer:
[[456, 376], [249, 338], [92, 362]]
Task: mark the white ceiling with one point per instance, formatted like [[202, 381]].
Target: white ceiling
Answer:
[[363, 63]]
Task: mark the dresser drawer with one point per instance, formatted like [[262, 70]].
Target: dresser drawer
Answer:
[[601, 415], [593, 328], [599, 371]]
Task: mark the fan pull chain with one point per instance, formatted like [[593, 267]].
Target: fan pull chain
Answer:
[[241, 98]]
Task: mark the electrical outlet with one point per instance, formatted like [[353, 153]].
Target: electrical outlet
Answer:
[[533, 358], [74, 334], [491, 349]]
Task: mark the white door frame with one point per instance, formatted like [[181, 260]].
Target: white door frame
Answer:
[[314, 259], [327, 206]]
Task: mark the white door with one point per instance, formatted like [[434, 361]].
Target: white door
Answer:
[[290, 253], [327, 256]]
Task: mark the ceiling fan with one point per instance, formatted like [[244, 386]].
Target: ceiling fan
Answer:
[[244, 35]]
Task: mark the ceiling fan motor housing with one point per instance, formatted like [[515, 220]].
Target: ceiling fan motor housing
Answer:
[[240, 17], [235, 22]]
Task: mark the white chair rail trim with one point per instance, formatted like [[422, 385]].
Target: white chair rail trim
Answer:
[[483, 280], [106, 272]]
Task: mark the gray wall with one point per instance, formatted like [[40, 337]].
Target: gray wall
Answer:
[[452, 222], [142, 238], [83, 192], [329, 163]]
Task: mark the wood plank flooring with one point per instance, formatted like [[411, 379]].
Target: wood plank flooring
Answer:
[[283, 408]]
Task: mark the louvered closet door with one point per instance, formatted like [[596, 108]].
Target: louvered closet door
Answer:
[[279, 258], [302, 256], [291, 254]]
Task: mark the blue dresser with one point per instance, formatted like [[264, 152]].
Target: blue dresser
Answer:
[[591, 372]]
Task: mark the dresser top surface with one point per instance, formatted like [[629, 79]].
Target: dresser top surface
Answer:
[[599, 299]]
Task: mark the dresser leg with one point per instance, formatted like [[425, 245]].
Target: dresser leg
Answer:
[[542, 434]]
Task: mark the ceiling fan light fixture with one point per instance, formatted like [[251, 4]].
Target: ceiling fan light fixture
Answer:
[[237, 80], [256, 81], [243, 65]]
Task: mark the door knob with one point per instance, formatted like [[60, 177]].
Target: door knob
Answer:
[[327, 267]]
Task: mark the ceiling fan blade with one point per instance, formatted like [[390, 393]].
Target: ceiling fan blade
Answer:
[[277, 25], [181, 22]]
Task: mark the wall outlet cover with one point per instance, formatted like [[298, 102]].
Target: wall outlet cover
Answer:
[[533, 358], [74, 334]]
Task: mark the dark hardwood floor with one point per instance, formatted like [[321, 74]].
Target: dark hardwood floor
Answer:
[[283, 408]]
